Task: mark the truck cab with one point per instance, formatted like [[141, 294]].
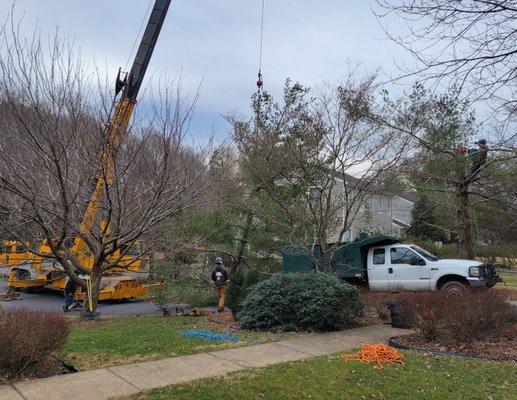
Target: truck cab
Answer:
[[385, 263], [408, 267]]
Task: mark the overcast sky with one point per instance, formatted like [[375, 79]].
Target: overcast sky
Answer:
[[217, 41]]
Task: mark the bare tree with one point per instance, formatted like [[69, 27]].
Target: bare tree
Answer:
[[315, 161], [53, 125], [473, 43]]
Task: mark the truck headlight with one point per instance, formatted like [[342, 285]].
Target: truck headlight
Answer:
[[474, 271]]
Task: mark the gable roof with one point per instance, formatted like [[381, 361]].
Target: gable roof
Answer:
[[410, 195]]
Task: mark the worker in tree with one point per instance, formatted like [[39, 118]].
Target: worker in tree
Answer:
[[70, 290], [479, 156], [220, 279]]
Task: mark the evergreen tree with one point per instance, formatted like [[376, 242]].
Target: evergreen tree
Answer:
[[424, 219]]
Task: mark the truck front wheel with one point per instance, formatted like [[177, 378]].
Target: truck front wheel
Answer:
[[453, 287]]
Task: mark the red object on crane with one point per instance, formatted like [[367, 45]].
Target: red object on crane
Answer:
[[260, 82]]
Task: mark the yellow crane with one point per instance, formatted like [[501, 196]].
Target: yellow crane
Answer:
[[29, 270]]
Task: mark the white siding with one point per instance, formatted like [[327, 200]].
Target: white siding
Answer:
[[374, 215]]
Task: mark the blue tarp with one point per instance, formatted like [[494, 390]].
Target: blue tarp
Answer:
[[209, 335]]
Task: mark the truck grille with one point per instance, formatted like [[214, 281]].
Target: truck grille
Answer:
[[487, 270]]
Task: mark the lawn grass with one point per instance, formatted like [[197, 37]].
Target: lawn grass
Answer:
[[509, 280], [126, 340], [329, 378]]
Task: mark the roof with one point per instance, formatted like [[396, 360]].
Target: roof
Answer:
[[410, 195], [400, 223]]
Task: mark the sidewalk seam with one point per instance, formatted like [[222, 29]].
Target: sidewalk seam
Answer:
[[309, 355], [17, 391], [231, 362], [297, 350], [125, 380]]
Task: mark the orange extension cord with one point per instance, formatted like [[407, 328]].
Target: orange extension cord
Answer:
[[378, 353]]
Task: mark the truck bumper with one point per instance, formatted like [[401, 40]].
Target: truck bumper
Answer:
[[483, 282], [486, 279]]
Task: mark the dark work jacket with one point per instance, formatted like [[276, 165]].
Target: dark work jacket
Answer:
[[219, 275], [70, 286]]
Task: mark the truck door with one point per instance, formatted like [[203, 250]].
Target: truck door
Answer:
[[407, 270], [378, 269]]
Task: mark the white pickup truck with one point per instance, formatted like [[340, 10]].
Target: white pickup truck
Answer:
[[385, 263]]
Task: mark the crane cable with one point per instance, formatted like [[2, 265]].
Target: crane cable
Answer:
[[260, 82], [140, 29], [144, 18]]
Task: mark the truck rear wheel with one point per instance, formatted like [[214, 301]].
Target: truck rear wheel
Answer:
[[453, 287]]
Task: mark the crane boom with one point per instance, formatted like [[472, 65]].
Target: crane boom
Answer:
[[145, 51], [117, 286], [118, 124]]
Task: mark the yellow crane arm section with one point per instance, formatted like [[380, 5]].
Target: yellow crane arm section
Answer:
[[115, 133], [118, 125]]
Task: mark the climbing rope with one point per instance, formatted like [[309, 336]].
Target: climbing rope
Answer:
[[376, 353], [260, 82]]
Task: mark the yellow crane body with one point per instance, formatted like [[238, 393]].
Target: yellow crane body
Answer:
[[123, 281]]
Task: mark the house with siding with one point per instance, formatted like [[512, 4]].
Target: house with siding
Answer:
[[376, 212]]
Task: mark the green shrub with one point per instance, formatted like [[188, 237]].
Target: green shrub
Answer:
[[240, 282], [301, 301]]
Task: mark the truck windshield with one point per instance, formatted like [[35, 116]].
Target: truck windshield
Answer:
[[425, 253]]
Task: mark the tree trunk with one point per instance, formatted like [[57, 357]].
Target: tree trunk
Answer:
[[96, 278], [465, 248], [243, 241], [326, 259]]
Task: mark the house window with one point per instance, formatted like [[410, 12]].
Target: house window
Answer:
[[376, 203], [379, 256]]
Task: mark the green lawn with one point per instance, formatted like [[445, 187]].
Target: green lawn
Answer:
[[126, 340], [509, 280], [330, 378]]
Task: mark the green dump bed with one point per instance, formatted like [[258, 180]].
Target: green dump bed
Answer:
[[348, 259]]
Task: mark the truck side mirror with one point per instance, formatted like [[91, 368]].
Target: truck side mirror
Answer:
[[415, 260]]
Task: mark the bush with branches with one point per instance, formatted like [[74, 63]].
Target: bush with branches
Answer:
[[457, 318], [28, 338]]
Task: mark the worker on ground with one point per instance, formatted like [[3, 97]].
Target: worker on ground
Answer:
[[220, 279], [70, 289]]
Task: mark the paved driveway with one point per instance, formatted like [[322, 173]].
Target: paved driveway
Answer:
[[54, 301]]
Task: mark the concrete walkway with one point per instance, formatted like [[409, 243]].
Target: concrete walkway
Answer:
[[125, 380]]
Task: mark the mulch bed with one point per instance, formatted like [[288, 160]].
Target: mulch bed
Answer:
[[224, 319], [504, 349], [375, 307], [511, 293], [49, 367]]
